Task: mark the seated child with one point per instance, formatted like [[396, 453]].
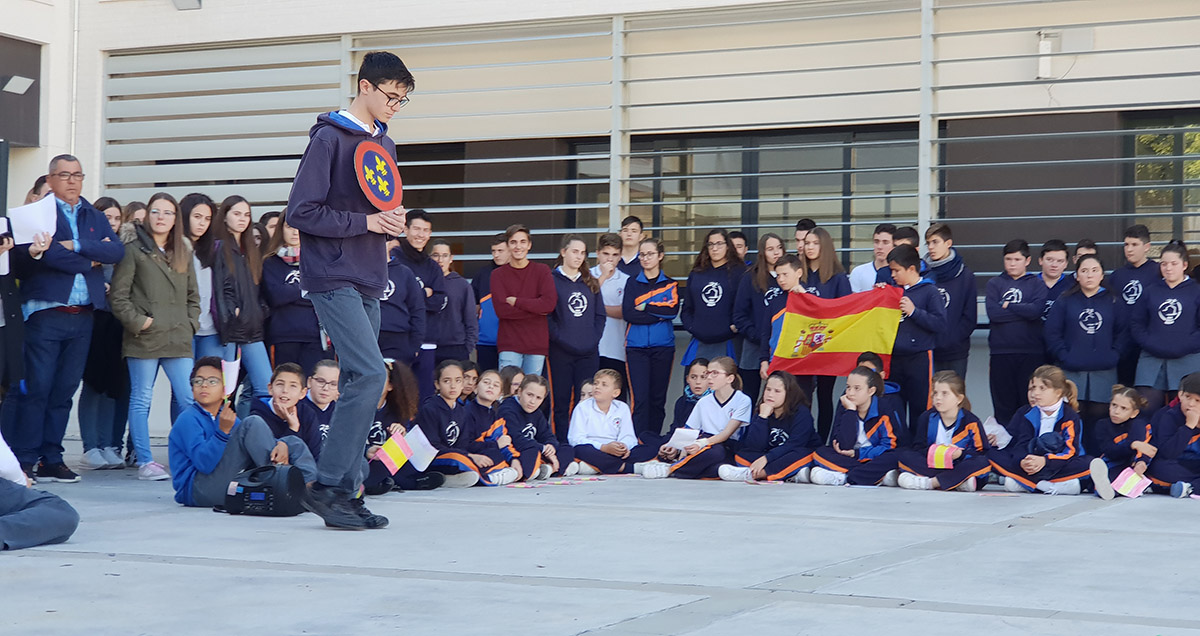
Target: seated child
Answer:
[[1177, 438], [393, 416], [208, 445], [585, 390], [526, 423], [949, 423], [281, 411], [601, 431], [1044, 453], [781, 438], [442, 418], [488, 433], [29, 517], [719, 416], [511, 377], [470, 377], [890, 401], [322, 397], [695, 386], [864, 437], [1123, 440]]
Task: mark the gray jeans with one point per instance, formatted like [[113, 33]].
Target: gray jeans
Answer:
[[31, 517], [352, 322], [250, 445]]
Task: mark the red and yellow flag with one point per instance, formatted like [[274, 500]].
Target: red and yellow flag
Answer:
[[824, 336]]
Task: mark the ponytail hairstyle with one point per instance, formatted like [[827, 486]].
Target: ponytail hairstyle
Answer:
[[762, 269], [445, 364], [1131, 394], [874, 380], [1057, 380], [956, 384], [1177, 247], [793, 396], [729, 366], [585, 274]]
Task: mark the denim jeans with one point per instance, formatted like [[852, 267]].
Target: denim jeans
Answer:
[[352, 322], [56, 347], [142, 374], [210, 345], [257, 364], [249, 446], [101, 420], [527, 362]]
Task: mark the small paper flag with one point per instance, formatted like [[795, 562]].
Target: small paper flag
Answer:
[[230, 369], [941, 456], [394, 453], [1130, 484], [422, 453]]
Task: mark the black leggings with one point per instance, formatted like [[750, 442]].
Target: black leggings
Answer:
[[822, 398]]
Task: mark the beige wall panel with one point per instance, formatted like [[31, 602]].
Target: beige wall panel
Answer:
[[825, 56], [785, 85], [782, 113]]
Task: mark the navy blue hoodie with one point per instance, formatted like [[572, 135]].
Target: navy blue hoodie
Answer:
[[445, 426], [1085, 334], [774, 303], [1017, 328], [1065, 282], [459, 323], [310, 430], [750, 305], [1116, 440], [330, 210], [529, 431], [1166, 323], [918, 331], [773, 436], [968, 433], [1172, 437], [292, 317], [956, 284], [837, 286], [577, 321], [1129, 282], [402, 306], [429, 276], [707, 310]]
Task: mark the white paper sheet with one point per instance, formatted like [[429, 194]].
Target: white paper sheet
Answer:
[[35, 218], [230, 370], [683, 437], [992, 427], [4, 229], [423, 451]]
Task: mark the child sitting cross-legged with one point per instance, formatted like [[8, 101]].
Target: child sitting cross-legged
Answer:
[[601, 431]]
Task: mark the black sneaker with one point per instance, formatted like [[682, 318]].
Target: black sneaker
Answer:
[[429, 481], [380, 488], [372, 521], [332, 505], [56, 472]]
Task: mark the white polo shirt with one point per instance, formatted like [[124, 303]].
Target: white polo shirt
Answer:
[[590, 425], [710, 416], [612, 292]]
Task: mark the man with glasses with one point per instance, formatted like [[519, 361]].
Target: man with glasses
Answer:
[[61, 283], [344, 273]]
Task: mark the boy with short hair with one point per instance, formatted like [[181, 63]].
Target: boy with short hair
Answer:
[[803, 227], [923, 317], [956, 284], [526, 294], [485, 350], [413, 252], [1129, 282], [1014, 301], [459, 320], [1053, 262], [737, 240], [863, 277], [612, 292], [1176, 434], [903, 235], [601, 431], [1083, 248], [208, 446], [631, 239], [281, 410]]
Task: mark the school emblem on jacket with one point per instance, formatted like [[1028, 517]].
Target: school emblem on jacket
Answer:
[[577, 303], [1132, 291], [712, 293], [778, 437], [452, 433], [1013, 295], [811, 339], [945, 296], [1169, 311], [389, 289], [771, 294], [529, 431], [293, 278], [1090, 321], [377, 175]]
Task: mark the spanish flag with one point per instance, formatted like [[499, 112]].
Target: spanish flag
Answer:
[[824, 336]]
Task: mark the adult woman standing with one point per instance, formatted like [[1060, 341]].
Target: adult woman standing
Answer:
[[154, 295], [238, 310], [824, 278], [293, 333]]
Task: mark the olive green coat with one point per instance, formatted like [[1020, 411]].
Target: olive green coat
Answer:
[[145, 286]]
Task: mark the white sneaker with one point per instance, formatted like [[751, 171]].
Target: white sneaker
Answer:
[[909, 481], [586, 469], [572, 469], [889, 479], [1069, 487], [1012, 485], [656, 470], [112, 457], [503, 476], [152, 471], [825, 477], [461, 480], [544, 472], [729, 472], [1099, 471], [801, 476], [970, 485], [93, 460]]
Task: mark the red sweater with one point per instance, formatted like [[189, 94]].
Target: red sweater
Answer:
[[523, 327]]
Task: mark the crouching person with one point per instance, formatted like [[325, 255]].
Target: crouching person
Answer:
[[29, 517], [209, 446]]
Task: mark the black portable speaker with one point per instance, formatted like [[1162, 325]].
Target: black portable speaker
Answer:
[[268, 491]]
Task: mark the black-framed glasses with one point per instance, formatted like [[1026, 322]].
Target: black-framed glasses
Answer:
[[393, 101], [323, 383], [69, 176], [207, 381]]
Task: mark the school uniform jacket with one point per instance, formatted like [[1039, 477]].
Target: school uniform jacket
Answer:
[[774, 307], [1172, 437], [1065, 282], [891, 404], [1129, 282], [1085, 334], [458, 324], [956, 285], [775, 437], [577, 322], [1024, 427], [1018, 327], [967, 433], [529, 431], [1116, 440], [402, 307], [750, 308], [837, 286], [443, 424], [651, 327], [708, 299], [918, 331], [489, 324], [481, 428], [309, 433], [1166, 323], [879, 428], [429, 276], [292, 317]]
